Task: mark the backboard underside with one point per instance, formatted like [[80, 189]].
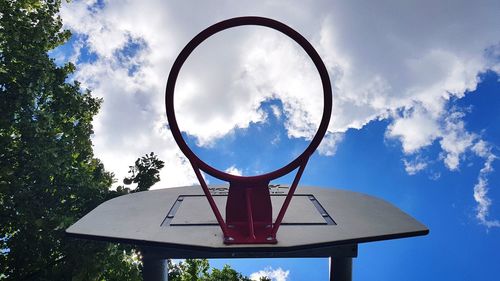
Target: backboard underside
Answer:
[[179, 219]]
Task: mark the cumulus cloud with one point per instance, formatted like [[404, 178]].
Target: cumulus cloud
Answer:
[[384, 63], [276, 111], [483, 150], [417, 128], [413, 167], [234, 171], [275, 274], [329, 143], [455, 140]]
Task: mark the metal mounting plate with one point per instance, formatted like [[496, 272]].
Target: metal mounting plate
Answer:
[[194, 210]]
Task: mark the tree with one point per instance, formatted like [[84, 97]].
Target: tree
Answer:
[[227, 273], [49, 177], [199, 270], [145, 172]]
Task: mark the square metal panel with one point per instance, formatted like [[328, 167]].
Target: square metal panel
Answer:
[[195, 210]]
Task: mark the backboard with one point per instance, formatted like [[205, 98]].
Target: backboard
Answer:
[[320, 222]]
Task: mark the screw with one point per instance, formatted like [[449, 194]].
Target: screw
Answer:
[[229, 238], [180, 199], [270, 238], [324, 215]]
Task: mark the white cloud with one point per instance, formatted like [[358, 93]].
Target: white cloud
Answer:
[[234, 171], [413, 167], [483, 150], [275, 274], [435, 176], [384, 63], [276, 140], [455, 140], [276, 111], [330, 143], [416, 128]]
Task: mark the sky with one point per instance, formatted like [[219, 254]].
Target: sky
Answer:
[[415, 121]]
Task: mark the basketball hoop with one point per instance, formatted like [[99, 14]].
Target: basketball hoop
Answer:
[[248, 208], [176, 222]]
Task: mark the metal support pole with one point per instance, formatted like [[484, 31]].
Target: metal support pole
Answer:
[[340, 269], [153, 267]]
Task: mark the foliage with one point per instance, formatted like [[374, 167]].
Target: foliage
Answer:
[[49, 177], [199, 270], [145, 172], [227, 273]]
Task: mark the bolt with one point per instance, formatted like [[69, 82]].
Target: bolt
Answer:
[[229, 238], [180, 199], [270, 238]]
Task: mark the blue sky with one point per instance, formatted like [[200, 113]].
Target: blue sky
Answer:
[[415, 118], [366, 162]]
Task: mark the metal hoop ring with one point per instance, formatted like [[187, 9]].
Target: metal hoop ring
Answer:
[[234, 22]]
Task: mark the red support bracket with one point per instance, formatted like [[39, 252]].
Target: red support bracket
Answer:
[[249, 213]]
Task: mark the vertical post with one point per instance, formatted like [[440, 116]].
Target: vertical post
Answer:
[[154, 268], [340, 269]]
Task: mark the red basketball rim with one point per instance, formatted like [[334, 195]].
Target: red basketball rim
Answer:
[[235, 22]]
